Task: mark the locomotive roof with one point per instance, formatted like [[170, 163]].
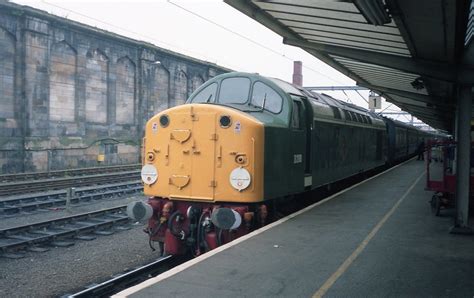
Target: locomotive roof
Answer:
[[325, 107]]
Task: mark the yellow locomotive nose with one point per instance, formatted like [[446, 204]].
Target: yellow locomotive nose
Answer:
[[204, 152]]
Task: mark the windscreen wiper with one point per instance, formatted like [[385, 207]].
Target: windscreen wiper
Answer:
[[264, 101], [260, 108]]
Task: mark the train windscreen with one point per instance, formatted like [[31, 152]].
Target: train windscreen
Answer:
[[207, 94], [234, 90]]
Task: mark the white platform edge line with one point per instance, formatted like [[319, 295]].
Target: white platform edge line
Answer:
[[209, 254]]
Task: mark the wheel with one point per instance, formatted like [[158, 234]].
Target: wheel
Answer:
[[435, 205]]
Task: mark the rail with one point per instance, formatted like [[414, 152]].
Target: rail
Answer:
[[128, 279], [15, 188], [15, 205], [62, 173], [75, 227]]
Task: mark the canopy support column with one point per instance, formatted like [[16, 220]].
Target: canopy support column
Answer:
[[463, 163]]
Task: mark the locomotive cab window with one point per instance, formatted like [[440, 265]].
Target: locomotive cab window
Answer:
[[296, 117], [267, 98], [207, 94], [234, 90]]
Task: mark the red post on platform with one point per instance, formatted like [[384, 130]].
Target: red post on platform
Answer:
[[298, 73]]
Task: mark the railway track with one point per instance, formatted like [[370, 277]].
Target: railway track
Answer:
[[140, 274], [24, 204], [62, 232], [66, 173], [16, 188], [128, 279]]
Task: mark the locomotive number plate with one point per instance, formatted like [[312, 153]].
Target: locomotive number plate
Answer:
[[297, 158]]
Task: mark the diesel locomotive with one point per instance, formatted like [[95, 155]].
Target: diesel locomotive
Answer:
[[213, 167]]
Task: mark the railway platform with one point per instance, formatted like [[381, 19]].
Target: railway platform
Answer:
[[376, 239]]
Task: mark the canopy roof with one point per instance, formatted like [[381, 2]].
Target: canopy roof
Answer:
[[414, 53]]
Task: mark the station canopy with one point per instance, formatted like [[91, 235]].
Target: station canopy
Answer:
[[414, 53]]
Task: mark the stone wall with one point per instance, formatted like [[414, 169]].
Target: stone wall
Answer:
[[70, 92]]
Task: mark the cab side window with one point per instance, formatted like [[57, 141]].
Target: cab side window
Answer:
[[296, 116]]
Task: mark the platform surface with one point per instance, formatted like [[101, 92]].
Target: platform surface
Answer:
[[410, 254]]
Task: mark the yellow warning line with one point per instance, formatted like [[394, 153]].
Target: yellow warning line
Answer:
[[347, 263]]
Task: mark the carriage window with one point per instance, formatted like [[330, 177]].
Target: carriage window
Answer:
[[207, 94], [295, 117], [273, 101], [234, 90]]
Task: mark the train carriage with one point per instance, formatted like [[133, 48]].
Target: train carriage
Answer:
[[403, 139]]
